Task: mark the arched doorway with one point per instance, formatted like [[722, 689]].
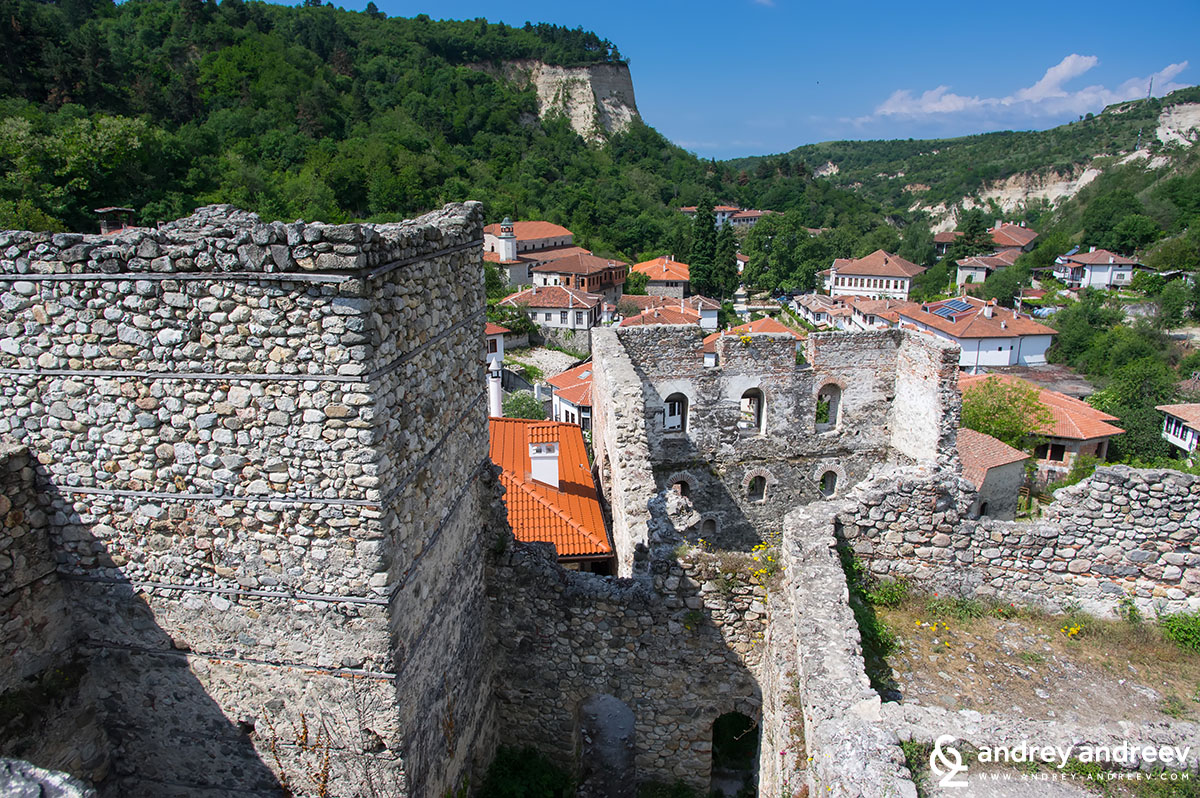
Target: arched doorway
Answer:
[[735, 755]]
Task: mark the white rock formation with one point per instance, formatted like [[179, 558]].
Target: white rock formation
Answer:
[[596, 99]]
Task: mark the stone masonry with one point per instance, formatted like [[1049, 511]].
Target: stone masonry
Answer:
[[262, 457]]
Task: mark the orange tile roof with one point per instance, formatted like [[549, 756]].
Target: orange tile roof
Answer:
[[1100, 257], [572, 376], [1004, 323], [579, 394], [1189, 414], [695, 303], [947, 237], [494, 329], [550, 254], [732, 208], [1071, 418], [878, 264], [979, 452], [1012, 235], [531, 230], [751, 214], [663, 269], [763, 325], [884, 308], [579, 263], [662, 315], [569, 516], [553, 296]]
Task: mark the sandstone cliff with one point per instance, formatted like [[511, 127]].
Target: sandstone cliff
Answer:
[[596, 99]]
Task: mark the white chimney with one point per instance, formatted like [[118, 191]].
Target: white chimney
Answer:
[[543, 455], [1093, 249], [495, 403], [988, 309]]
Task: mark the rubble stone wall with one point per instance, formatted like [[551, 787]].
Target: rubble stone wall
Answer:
[[1123, 532], [679, 650], [264, 452]]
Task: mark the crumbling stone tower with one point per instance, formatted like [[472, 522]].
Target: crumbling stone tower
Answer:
[[261, 456]]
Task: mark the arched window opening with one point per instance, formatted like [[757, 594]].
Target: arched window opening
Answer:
[[828, 484], [757, 490], [983, 509], [735, 755], [675, 413], [682, 488], [708, 529], [829, 400], [753, 420]]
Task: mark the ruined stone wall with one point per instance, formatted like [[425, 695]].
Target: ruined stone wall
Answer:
[[1122, 532], [33, 614], [887, 382], [679, 650], [264, 453]]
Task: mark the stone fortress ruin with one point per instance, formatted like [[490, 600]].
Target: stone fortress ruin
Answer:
[[253, 542]]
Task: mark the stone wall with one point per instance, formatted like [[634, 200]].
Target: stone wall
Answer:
[[679, 650], [33, 613], [719, 455], [243, 428], [1123, 532]]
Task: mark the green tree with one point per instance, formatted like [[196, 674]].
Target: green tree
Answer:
[[917, 245], [702, 258], [1148, 283], [635, 283], [1009, 412], [1003, 285], [1134, 232], [1103, 213], [976, 238], [1131, 395], [725, 274], [1173, 300], [523, 404]]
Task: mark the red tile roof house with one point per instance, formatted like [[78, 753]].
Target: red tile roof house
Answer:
[[880, 275], [697, 310], [988, 336], [744, 220], [996, 470], [557, 306], [977, 268], [1076, 427], [516, 247], [571, 402], [721, 213], [1005, 236], [668, 277], [550, 494], [1181, 427], [1097, 268], [586, 272]]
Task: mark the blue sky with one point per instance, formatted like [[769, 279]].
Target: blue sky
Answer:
[[750, 77]]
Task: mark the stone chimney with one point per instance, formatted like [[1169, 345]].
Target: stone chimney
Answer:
[[543, 454]]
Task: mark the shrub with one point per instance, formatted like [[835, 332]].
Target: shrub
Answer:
[[523, 404], [1183, 629], [888, 594], [961, 609]]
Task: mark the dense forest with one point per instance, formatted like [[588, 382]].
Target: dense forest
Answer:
[[318, 113]]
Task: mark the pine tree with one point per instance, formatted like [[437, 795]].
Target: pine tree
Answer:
[[703, 254], [725, 262]]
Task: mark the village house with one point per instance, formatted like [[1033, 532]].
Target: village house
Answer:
[[872, 314], [1181, 427], [988, 336], [1096, 268], [826, 312], [493, 355], [742, 260], [1006, 237], [721, 213], [518, 247], [976, 268], [878, 275], [995, 469], [1076, 428], [550, 494], [690, 310], [585, 272], [571, 402], [558, 306], [667, 276], [744, 220]]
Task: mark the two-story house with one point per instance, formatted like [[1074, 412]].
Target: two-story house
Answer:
[[987, 335], [585, 272], [558, 306], [880, 275], [1096, 268], [1181, 427], [667, 276]]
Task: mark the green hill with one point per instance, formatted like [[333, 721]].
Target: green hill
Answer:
[[320, 113]]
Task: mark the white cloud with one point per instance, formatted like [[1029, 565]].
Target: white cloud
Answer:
[[1047, 97]]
